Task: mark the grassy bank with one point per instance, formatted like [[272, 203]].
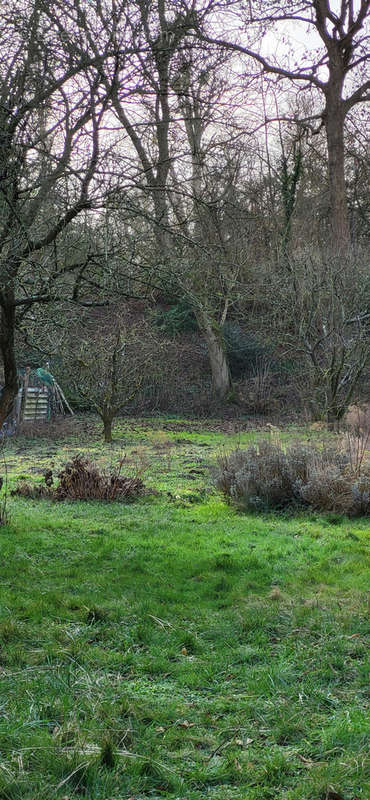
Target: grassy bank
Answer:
[[173, 648]]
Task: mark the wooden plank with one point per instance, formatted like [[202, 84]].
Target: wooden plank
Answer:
[[42, 398], [37, 401]]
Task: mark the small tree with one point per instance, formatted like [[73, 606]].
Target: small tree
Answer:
[[51, 114], [107, 367]]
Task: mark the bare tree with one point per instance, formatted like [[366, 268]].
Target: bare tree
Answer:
[[155, 32], [209, 262], [52, 107], [203, 201], [336, 71], [321, 314], [107, 366], [164, 125]]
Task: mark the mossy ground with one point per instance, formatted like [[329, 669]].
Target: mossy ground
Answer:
[[173, 648]]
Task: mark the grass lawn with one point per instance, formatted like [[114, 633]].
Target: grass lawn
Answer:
[[173, 648]]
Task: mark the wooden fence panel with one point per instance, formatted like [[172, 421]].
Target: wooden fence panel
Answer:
[[36, 405]]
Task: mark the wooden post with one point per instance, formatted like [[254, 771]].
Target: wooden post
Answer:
[[18, 403], [26, 381], [63, 398]]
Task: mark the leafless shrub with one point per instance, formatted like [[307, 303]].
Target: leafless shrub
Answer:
[[267, 477], [357, 436], [257, 391], [261, 388], [357, 418], [333, 490], [255, 477]]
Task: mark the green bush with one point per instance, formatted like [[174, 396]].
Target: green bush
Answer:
[[268, 477], [178, 319]]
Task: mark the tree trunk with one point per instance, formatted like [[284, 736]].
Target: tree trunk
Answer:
[[221, 378], [7, 350], [337, 186], [333, 418], [335, 411], [107, 423]]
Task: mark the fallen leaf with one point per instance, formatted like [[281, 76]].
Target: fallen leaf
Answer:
[[160, 729], [237, 765], [184, 651], [310, 762], [186, 724], [239, 742]]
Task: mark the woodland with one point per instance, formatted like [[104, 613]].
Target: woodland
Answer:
[[185, 206]]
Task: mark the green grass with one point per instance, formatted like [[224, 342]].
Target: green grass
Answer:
[[173, 648]]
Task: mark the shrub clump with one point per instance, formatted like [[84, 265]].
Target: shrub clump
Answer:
[[268, 477], [81, 479]]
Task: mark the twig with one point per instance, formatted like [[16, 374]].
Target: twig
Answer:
[[219, 748]]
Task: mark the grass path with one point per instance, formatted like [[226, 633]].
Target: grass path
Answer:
[[173, 648]]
